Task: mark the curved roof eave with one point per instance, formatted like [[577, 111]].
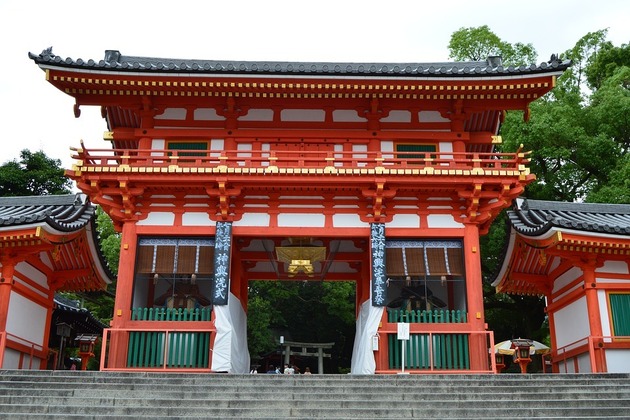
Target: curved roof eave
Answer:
[[114, 61], [537, 217]]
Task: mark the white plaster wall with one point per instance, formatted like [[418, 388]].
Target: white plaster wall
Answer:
[[172, 114], [584, 363], [158, 144], [207, 114], [566, 278], [617, 267], [32, 273], [571, 323], [258, 115], [602, 301], [618, 360], [158, 219], [253, 219], [303, 115], [26, 319], [404, 221], [196, 219], [398, 116], [443, 221], [11, 359], [348, 220], [567, 366], [217, 144], [431, 116], [347, 115], [301, 220]]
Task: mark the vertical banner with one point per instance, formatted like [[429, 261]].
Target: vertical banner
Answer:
[[222, 248], [377, 240]]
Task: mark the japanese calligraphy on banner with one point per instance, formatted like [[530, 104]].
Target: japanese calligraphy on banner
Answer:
[[222, 248], [379, 281]]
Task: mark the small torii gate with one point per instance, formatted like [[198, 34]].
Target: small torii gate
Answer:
[[307, 349]]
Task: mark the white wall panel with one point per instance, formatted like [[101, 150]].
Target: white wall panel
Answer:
[[301, 220], [26, 319], [348, 220], [566, 278], [158, 219], [253, 219], [618, 360], [32, 273], [443, 221], [197, 219], [404, 221], [571, 323]]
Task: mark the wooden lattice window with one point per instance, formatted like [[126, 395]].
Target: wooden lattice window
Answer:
[[192, 148], [175, 256], [405, 150]]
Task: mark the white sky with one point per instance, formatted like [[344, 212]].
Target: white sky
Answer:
[[36, 116]]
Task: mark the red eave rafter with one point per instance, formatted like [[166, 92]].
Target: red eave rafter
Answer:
[[85, 84]]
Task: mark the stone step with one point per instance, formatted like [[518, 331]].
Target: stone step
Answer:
[[65, 394], [14, 410], [308, 402], [309, 394]]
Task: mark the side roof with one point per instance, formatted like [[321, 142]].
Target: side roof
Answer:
[[66, 213], [115, 61], [535, 217]]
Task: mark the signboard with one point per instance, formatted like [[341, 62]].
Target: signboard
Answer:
[[403, 331], [222, 249], [379, 281]]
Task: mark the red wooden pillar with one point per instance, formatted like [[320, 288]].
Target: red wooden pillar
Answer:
[[6, 284], [124, 291], [594, 317], [474, 298]]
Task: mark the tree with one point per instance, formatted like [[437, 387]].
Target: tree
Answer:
[[579, 140], [477, 44], [34, 174]]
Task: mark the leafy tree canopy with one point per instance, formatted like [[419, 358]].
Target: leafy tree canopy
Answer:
[[477, 44], [34, 174]]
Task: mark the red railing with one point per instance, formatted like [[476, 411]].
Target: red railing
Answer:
[[24, 347], [332, 160], [478, 344], [594, 346]]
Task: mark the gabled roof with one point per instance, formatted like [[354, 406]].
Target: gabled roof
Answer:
[[535, 217], [115, 61], [544, 232], [66, 213], [65, 224]]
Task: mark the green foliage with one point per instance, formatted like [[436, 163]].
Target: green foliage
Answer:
[[477, 44], [109, 239], [34, 174], [608, 61]]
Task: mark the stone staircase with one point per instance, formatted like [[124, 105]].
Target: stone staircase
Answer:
[[100, 395]]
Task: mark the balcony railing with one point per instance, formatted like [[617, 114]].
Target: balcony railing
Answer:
[[565, 358], [239, 161]]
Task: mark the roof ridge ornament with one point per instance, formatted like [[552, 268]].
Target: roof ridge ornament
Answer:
[[494, 61], [112, 56]]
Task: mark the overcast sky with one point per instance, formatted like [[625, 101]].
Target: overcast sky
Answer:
[[36, 116]]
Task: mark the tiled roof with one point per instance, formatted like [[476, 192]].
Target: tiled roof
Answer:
[[71, 312], [66, 213], [115, 61], [535, 217]]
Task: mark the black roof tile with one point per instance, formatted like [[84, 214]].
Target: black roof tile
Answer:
[[535, 217], [66, 213], [115, 61]]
